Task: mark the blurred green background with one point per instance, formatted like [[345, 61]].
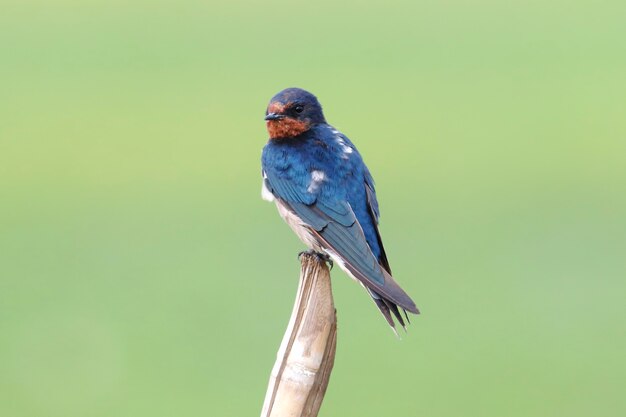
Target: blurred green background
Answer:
[[142, 275]]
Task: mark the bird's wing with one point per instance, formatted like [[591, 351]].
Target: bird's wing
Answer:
[[337, 230], [372, 204]]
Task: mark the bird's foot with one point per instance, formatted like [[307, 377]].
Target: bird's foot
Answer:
[[322, 256]]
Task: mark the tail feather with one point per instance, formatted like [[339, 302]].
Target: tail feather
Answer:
[[394, 310], [384, 309], [389, 310]]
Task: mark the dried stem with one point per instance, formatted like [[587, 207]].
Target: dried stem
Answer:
[[305, 359]]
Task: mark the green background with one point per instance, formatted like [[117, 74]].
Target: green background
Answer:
[[142, 275]]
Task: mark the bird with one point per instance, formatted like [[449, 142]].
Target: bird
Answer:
[[324, 191]]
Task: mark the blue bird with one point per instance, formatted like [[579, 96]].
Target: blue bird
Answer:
[[325, 193]]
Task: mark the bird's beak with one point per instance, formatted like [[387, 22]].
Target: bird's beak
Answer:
[[274, 116]]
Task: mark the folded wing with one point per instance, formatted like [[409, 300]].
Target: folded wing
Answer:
[[337, 230]]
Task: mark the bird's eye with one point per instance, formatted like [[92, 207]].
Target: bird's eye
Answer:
[[299, 108]]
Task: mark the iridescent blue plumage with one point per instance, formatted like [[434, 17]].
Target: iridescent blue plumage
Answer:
[[293, 161], [326, 194]]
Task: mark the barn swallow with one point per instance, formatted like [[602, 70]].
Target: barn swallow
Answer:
[[325, 193]]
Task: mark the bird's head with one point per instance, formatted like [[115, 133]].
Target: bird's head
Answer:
[[292, 112]]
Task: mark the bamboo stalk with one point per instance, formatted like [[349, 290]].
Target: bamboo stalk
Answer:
[[305, 359]]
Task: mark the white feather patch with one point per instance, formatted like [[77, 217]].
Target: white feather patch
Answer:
[[266, 194], [347, 150], [317, 177]]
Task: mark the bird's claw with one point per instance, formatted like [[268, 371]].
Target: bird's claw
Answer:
[[322, 256]]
